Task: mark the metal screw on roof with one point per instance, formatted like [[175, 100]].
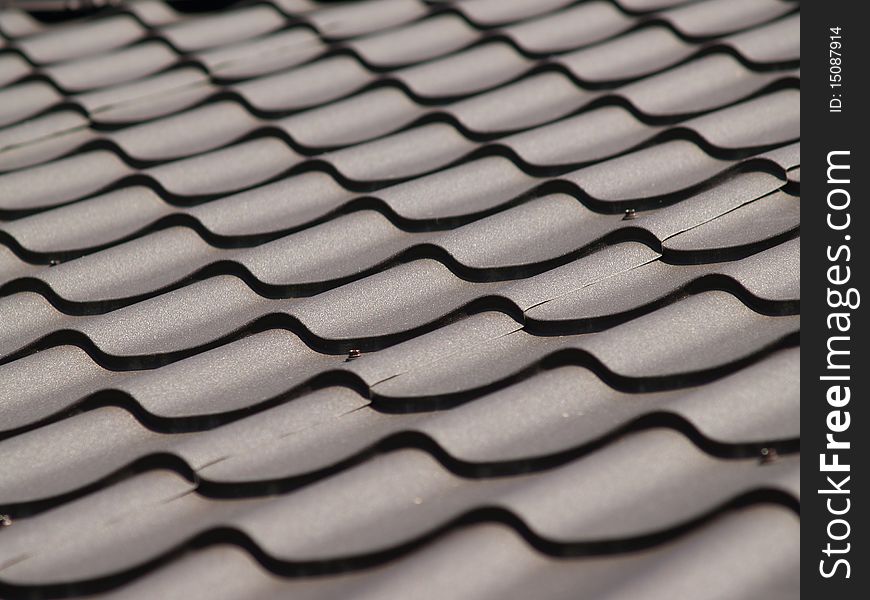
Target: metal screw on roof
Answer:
[[768, 455], [353, 354], [629, 214], [53, 262], [5, 520]]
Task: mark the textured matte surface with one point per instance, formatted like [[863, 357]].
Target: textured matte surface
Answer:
[[393, 298]]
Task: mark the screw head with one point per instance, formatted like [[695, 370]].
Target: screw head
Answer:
[[768, 455]]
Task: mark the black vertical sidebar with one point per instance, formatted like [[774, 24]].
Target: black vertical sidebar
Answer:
[[835, 370]]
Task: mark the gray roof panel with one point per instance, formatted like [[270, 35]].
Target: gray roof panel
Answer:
[[307, 85], [12, 68], [769, 275], [546, 415], [473, 70], [24, 100], [707, 564], [349, 20], [14, 23], [287, 48], [400, 490], [659, 341], [420, 41], [579, 25], [290, 436], [281, 50], [634, 54], [191, 35], [521, 105], [120, 66], [778, 41], [498, 12], [718, 17], [294, 201], [81, 39], [160, 94], [99, 169], [401, 297], [768, 217], [704, 83], [156, 261]]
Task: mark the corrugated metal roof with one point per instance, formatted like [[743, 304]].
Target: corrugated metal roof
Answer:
[[466, 299]]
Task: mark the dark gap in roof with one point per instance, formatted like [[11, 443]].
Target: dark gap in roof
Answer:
[[56, 11]]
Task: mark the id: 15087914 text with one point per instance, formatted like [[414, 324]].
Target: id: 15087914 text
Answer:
[[835, 69]]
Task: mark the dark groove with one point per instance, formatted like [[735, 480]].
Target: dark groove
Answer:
[[695, 257], [429, 251], [265, 322], [383, 77], [792, 188], [488, 34], [313, 153], [423, 250], [299, 19], [409, 439], [583, 358], [415, 440], [170, 425], [158, 461], [485, 514], [367, 201], [317, 159], [400, 405], [368, 187], [705, 283], [281, 320]]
